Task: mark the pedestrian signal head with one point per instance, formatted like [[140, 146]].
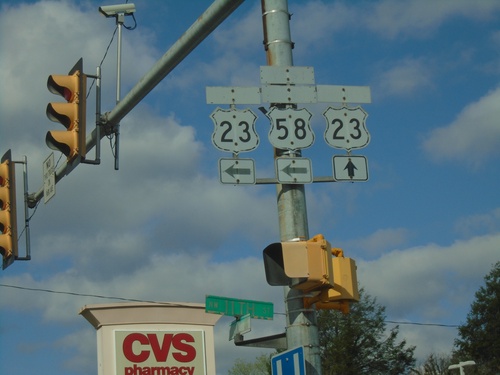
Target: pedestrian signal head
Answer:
[[312, 266]]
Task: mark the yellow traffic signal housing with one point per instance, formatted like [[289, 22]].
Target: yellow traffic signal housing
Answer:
[[310, 266], [304, 265], [344, 290], [72, 114], [8, 219], [345, 280]]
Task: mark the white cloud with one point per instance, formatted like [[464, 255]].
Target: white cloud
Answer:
[[428, 339], [417, 18], [403, 78], [472, 138], [316, 22], [427, 280], [485, 222], [83, 342], [381, 240]]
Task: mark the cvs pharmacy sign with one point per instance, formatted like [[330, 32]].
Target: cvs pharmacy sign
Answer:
[[160, 353]]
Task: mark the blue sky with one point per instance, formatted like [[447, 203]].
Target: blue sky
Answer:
[[424, 229]]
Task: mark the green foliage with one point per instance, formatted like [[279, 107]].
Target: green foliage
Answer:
[[353, 344], [479, 337], [261, 366], [358, 343]]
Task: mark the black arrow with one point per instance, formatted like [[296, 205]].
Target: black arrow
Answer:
[[289, 170], [350, 168], [232, 171]]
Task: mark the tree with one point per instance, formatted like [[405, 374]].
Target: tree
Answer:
[[479, 337], [358, 343], [434, 365], [261, 366], [352, 344]]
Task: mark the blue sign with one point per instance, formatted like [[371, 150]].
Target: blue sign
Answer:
[[291, 362]]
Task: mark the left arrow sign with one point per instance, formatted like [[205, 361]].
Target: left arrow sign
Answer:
[[237, 171], [294, 170]]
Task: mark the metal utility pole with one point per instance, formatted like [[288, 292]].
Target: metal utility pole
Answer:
[[302, 329], [120, 19]]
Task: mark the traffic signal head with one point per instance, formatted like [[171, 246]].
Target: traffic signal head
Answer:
[[72, 87], [8, 220], [330, 281], [304, 265]]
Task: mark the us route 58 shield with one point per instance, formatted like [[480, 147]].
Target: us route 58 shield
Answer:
[[290, 128], [346, 128]]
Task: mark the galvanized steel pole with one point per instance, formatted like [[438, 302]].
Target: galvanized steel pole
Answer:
[[302, 329]]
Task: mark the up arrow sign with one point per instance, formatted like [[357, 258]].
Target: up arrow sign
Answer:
[[350, 168]]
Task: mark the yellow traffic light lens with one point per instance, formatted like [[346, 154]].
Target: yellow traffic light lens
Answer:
[[66, 142], [6, 246], [4, 198], [4, 221], [67, 94], [65, 86], [64, 113]]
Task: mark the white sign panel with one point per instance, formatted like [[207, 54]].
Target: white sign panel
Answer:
[[237, 171], [350, 168], [343, 94], [294, 170], [290, 128], [345, 128], [160, 352], [49, 178], [234, 130], [232, 95]]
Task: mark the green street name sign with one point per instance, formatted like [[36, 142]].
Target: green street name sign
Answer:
[[239, 307]]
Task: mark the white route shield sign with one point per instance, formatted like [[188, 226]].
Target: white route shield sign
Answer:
[[346, 128], [290, 128]]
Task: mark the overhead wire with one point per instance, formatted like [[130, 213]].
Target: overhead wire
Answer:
[[103, 58], [43, 290]]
